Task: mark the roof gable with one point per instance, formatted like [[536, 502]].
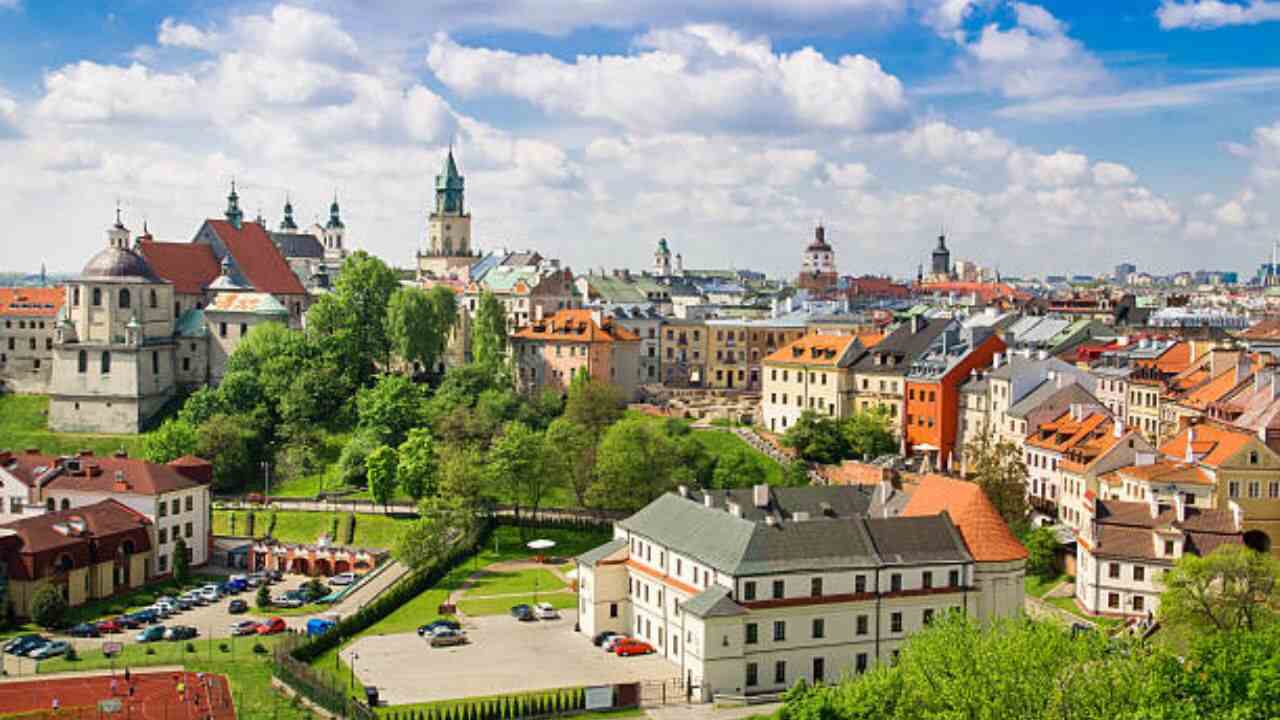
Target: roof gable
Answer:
[[986, 535], [189, 266], [258, 259]]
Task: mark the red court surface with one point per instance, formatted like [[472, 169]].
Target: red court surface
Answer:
[[155, 697]]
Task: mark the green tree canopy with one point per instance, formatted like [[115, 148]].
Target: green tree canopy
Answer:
[[570, 460], [413, 327], [355, 313], [817, 439], [516, 466], [869, 434], [737, 468], [416, 467], [1041, 546], [635, 464], [593, 404], [389, 408], [226, 441], [998, 467], [172, 440], [351, 461], [381, 468], [1231, 588], [489, 332], [442, 522], [181, 561], [48, 606]]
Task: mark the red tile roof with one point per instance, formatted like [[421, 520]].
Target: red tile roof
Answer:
[[31, 302], [1212, 444], [94, 474], [189, 266], [985, 533], [575, 326], [814, 350], [257, 257]]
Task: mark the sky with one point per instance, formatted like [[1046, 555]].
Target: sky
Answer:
[[1051, 138]]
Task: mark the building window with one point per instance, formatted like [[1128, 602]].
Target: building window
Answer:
[[778, 589], [175, 506], [186, 364], [926, 579], [1255, 489], [753, 674], [860, 663], [1139, 573], [161, 509], [613, 610], [187, 530], [244, 329], [1233, 489], [155, 362], [1139, 603], [780, 672], [895, 582], [927, 616], [819, 628], [779, 631], [164, 563], [1113, 600], [895, 622], [819, 669], [860, 583], [75, 296], [151, 299], [953, 578], [815, 587], [97, 297], [106, 362], [190, 504], [164, 535], [753, 634], [1113, 571], [1168, 548], [222, 331], [862, 625], [82, 362]]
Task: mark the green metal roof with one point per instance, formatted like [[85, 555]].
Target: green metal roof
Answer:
[[191, 324], [591, 557], [615, 290], [713, 602]]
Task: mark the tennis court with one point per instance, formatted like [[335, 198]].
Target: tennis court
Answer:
[[154, 696]]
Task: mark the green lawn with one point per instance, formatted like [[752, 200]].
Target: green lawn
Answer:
[[1037, 586], [248, 672], [24, 424], [375, 531], [503, 605], [493, 582], [721, 442], [327, 479], [1069, 604]]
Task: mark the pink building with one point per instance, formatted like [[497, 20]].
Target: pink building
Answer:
[[549, 352]]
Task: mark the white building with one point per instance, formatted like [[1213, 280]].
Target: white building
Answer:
[[176, 505], [747, 591], [813, 373]]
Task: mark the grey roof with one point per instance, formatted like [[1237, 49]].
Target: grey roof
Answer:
[[1019, 364], [1048, 393], [591, 557], [1036, 330], [907, 540], [713, 602], [975, 384], [298, 245], [836, 534], [902, 341], [115, 264], [1032, 400]]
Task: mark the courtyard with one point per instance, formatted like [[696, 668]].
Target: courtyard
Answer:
[[502, 655]]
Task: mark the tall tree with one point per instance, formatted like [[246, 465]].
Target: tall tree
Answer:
[[444, 305], [463, 476], [869, 434], [413, 327], [817, 439], [226, 442], [1041, 546], [593, 404], [356, 311], [351, 462], [998, 467], [443, 521], [381, 467], [390, 408], [181, 561], [570, 457], [489, 332], [416, 467], [636, 464], [516, 466], [1231, 588], [170, 441], [736, 469]]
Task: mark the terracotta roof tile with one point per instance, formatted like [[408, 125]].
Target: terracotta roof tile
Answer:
[[258, 258], [189, 266], [32, 302], [107, 517], [985, 533], [1167, 471], [576, 326], [96, 474], [816, 349], [1215, 443]]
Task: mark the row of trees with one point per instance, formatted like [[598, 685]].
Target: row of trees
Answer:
[[821, 439]]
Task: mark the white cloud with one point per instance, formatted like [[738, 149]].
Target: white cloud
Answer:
[[1135, 101], [1058, 169], [696, 77], [8, 117], [940, 142], [176, 34], [1034, 58], [1232, 213], [848, 175], [1209, 14], [10, 4], [1109, 173], [89, 92]]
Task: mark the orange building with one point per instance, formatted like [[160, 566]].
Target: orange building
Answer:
[[932, 405], [549, 352]]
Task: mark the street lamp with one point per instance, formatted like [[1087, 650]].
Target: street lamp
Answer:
[[538, 546], [354, 657]]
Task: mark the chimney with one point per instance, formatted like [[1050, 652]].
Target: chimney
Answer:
[[683, 490], [760, 495], [1179, 507], [1118, 428], [735, 509], [915, 324], [706, 499], [997, 360], [1153, 505], [1191, 438], [1237, 515]]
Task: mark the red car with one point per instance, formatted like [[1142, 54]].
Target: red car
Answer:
[[629, 647], [109, 626], [272, 626]]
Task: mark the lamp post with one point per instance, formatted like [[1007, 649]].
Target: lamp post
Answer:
[[354, 657], [538, 546]]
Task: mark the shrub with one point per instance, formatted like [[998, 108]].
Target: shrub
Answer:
[[151, 650], [224, 647], [190, 647], [48, 607], [71, 653], [259, 648], [263, 599], [333, 528], [351, 528], [249, 522], [271, 524]]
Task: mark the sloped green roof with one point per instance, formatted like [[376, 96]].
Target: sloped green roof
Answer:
[[503, 279], [713, 602], [191, 324], [591, 557], [615, 290]]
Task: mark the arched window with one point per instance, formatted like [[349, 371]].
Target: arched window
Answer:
[[66, 504], [83, 362], [50, 504], [75, 296], [125, 301], [97, 297], [106, 362], [152, 301]]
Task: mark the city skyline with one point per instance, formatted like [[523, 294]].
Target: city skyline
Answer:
[[1043, 137]]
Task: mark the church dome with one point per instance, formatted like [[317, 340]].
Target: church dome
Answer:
[[115, 263]]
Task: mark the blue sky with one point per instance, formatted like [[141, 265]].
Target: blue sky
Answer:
[[1047, 137]]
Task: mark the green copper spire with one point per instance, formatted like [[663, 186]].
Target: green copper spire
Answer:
[[449, 188], [234, 215], [288, 225], [334, 220]]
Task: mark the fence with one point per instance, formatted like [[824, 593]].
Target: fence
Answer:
[[326, 691], [544, 515]]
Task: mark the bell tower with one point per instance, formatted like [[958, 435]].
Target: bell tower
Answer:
[[448, 250]]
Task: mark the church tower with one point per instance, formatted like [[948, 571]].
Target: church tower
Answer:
[[334, 231], [818, 265], [234, 215], [942, 259], [662, 259], [287, 225], [448, 248]]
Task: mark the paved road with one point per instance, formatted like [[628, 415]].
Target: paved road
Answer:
[[708, 711]]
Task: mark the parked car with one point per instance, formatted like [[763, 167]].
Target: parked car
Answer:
[[274, 576], [49, 649], [183, 602], [234, 586], [195, 597], [237, 606], [161, 611], [613, 641], [445, 637], [181, 632], [342, 579], [319, 626], [144, 616], [600, 638], [33, 646], [151, 634], [432, 627], [545, 611], [244, 627], [630, 647], [272, 626], [523, 613], [285, 601], [85, 630], [23, 643], [118, 624], [166, 600], [255, 579]]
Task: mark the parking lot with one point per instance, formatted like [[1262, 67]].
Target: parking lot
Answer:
[[503, 655]]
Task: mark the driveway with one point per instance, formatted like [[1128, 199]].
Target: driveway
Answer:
[[503, 655]]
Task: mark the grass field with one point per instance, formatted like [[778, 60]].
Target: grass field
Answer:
[[248, 672], [328, 479], [1037, 586], [24, 424], [505, 582], [375, 531], [720, 443]]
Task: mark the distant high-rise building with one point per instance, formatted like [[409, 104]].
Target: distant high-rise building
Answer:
[[1123, 271]]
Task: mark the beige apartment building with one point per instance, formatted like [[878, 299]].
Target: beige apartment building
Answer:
[[811, 374]]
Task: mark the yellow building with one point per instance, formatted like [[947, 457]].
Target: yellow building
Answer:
[[813, 373]]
